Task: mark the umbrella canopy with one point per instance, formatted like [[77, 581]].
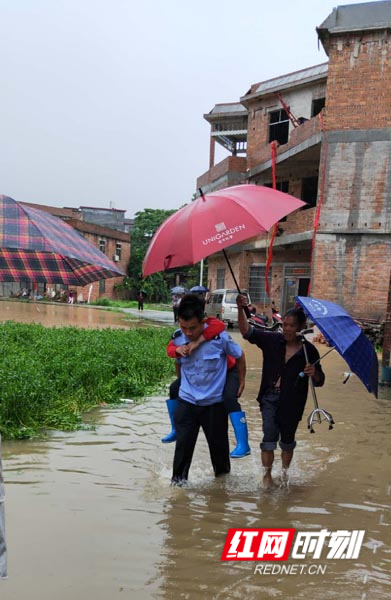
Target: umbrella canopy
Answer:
[[199, 289], [346, 337], [214, 222], [37, 246], [178, 289]]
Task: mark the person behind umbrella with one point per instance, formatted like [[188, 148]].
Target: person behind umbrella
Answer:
[[200, 401], [284, 385], [175, 300], [140, 301], [231, 389]]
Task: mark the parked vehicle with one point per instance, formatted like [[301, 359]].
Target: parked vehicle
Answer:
[[262, 321], [258, 321], [222, 305]]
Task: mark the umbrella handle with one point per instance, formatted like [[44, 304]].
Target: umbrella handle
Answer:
[[245, 308]]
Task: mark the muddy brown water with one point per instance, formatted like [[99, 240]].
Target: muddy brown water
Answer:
[[91, 514], [61, 315]]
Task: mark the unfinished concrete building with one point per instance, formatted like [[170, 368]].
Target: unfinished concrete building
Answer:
[[325, 133]]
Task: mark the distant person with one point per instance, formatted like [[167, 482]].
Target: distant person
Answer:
[[71, 297], [176, 300], [140, 301]]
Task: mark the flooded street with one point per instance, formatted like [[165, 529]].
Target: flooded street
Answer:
[[91, 514], [61, 315]]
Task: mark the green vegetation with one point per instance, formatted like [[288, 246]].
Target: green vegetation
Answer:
[[50, 376]]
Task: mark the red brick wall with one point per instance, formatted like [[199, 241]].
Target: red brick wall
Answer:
[[359, 81], [109, 283], [230, 163], [298, 221], [353, 270], [258, 149], [352, 259]]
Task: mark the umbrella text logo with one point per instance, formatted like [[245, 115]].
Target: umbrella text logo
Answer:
[[318, 307], [220, 227], [223, 234], [275, 544]]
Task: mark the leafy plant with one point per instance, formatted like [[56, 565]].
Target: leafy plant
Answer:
[[50, 376]]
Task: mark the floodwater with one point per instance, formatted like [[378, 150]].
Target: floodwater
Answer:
[[91, 514], [61, 315]]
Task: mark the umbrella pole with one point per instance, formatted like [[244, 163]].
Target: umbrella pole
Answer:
[[245, 308], [232, 273], [325, 354], [311, 382]]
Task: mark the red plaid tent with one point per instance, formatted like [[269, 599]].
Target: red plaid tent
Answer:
[[37, 246]]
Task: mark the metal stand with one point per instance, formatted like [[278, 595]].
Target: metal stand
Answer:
[[318, 414]]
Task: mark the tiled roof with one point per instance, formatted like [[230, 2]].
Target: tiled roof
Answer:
[[85, 227], [63, 213], [284, 81], [358, 17], [232, 107]]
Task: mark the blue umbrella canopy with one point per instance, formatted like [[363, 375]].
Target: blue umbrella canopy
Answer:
[[199, 289], [346, 337]]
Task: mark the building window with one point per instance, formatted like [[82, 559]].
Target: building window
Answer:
[[282, 186], [309, 191], [278, 126], [317, 106], [102, 245], [220, 278], [118, 250], [102, 286], [256, 284]]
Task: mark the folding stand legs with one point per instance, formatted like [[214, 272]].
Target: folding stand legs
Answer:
[[317, 415]]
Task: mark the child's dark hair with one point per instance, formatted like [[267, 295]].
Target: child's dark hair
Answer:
[[191, 306], [299, 315]]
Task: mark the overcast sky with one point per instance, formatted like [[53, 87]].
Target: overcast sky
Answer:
[[102, 102]]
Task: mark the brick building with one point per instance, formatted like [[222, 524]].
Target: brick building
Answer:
[[332, 123]]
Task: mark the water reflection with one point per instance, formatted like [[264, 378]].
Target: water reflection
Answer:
[[91, 514], [62, 315]]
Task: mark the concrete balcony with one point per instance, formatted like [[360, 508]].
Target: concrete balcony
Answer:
[[230, 171]]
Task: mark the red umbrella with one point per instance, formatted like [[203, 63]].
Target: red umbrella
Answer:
[[214, 222], [37, 246]]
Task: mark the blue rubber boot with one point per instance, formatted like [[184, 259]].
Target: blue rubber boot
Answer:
[[239, 424], [171, 406]]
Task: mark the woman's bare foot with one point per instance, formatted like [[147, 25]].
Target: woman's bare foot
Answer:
[[267, 477]]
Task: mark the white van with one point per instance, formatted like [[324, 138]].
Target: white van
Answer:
[[222, 305]]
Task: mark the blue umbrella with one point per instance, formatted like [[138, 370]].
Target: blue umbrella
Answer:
[[199, 289], [346, 337], [178, 289]]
